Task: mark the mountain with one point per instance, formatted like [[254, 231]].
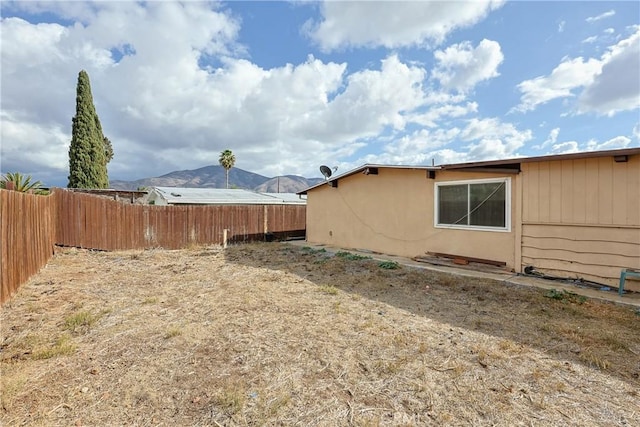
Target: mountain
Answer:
[[214, 177], [287, 184]]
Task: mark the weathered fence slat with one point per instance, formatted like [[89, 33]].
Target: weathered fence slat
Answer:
[[31, 225]]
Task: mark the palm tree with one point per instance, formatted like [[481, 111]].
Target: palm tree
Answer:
[[227, 160], [20, 182]]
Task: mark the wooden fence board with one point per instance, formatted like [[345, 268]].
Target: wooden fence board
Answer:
[[32, 225], [27, 224]]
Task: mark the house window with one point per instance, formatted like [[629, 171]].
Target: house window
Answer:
[[477, 204]]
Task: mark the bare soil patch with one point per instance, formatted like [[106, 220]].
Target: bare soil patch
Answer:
[[274, 334]]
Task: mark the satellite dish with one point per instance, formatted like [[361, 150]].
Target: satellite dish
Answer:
[[326, 172]]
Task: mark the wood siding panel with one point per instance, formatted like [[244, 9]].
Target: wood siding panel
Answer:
[[619, 191], [633, 191], [591, 195], [585, 258], [593, 253], [603, 275], [544, 192], [596, 191], [531, 192], [579, 191], [566, 191], [605, 187], [555, 193]]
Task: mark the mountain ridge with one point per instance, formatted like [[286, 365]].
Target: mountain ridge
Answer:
[[213, 176]]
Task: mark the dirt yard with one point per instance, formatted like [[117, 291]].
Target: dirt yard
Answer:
[[275, 334]]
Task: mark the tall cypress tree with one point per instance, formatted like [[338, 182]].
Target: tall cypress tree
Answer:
[[89, 152]]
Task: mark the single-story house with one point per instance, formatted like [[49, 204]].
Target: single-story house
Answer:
[[571, 215], [218, 196]]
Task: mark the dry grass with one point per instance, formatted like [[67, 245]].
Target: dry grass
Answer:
[[272, 334]]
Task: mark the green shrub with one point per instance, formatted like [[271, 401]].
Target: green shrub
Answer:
[[389, 265], [351, 257]]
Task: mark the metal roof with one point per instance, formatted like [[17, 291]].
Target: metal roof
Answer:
[[221, 196]]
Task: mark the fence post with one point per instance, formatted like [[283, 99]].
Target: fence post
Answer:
[[266, 220], [224, 238]]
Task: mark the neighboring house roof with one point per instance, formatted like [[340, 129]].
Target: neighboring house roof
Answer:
[[504, 166], [219, 196]]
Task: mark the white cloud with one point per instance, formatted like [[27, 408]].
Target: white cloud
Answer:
[[492, 139], [173, 87], [551, 139], [565, 148], [373, 23], [636, 131], [163, 111], [609, 84], [591, 39], [561, 26], [415, 148], [604, 15], [569, 75], [462, 66], [371, 100], [47, 145], [434, 115], [612, 144], [484, 138], [617, 86], [146, 98]]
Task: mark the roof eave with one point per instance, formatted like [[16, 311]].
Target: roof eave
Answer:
[[362, 168], [546, 158]]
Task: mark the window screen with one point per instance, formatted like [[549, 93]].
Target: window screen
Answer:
[[473, 204]]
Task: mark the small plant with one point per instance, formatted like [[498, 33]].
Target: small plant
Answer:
[[596, 361], [22, 183], [328, 289], [389, 265], [80, 320], [351, 257], [565, 296], [173, 331], [231, 399], [193, 246], [62, 347], [313, 251]]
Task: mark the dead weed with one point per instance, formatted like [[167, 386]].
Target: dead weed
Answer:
[[272, 334]]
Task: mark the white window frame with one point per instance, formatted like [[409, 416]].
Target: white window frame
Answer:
[[507, 203]]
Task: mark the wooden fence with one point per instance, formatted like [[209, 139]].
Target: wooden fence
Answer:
[[31, 226], [27, 230]]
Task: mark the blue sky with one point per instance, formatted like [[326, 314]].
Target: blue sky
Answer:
[[288, 86]]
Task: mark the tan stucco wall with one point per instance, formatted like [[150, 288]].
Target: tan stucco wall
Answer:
[[571, 218], [581, 218], [393, 213]]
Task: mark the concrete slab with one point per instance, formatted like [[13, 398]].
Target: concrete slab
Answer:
[[604, 294]]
